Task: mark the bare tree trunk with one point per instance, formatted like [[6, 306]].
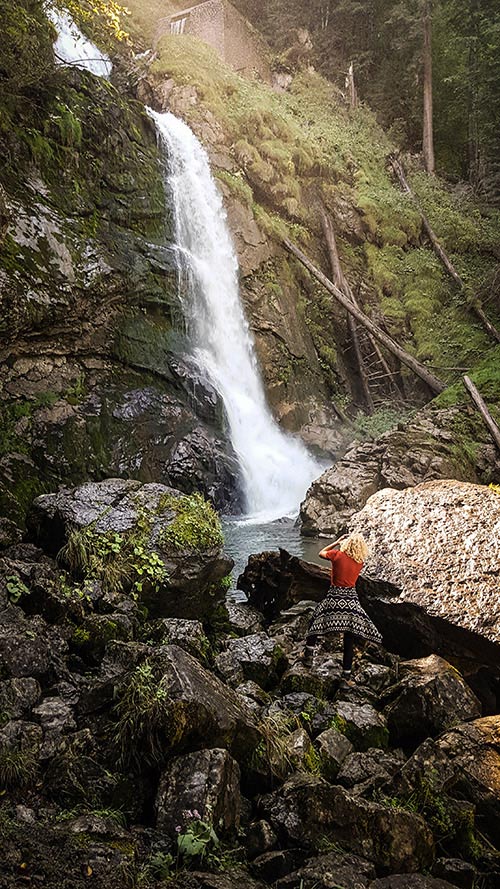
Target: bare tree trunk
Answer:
[[342, 284], [435, 385], [350, 86], [474, 306], [428, 136], [483, 410]]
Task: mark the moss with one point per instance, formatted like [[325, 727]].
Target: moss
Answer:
[[196, 526]]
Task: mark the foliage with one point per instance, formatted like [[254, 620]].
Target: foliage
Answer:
[[104, 19], [16, 588], [116, 561], [18, 767], [383, 419], [196, 837], [196, 525], [144, 716]]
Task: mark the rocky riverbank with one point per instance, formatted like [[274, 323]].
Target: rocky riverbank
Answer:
[[151, 735]]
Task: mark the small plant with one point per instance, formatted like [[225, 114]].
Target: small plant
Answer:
[[196, 837], [16, 588], [144, 710], [17, 767]]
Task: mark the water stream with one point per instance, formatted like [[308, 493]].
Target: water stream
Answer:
[[276, 468], [73, 48]]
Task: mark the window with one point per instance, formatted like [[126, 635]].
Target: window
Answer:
[[178, 26]]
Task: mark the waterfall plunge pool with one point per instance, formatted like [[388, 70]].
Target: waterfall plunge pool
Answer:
[[243, 539]]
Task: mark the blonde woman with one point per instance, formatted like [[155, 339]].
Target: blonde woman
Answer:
[[340, 611]]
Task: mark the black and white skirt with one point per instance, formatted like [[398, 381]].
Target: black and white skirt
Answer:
[[341, 612]]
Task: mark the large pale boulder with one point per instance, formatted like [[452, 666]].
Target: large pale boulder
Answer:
[[438, 544]]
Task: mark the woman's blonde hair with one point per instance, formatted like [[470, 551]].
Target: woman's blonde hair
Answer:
[[356, 547]]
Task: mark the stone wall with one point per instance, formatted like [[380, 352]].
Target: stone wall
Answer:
[[219, 24]]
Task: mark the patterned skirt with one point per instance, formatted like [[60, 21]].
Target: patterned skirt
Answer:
[[341, 612]]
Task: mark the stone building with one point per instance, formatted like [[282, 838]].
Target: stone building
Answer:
[[220, 25]]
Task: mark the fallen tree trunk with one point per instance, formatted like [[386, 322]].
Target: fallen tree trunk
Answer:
[[435, 385], [474, 306], [341, 282], [483, 410]]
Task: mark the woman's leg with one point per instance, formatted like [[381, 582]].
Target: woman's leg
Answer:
[[348, 655]]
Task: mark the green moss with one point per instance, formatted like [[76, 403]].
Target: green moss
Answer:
[[196, 525]]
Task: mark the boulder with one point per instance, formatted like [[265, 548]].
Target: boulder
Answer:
[[430, 698], [243, 619], [187, 634], [260, 838], [189, 707], [463, 764], [400, 458], [56, 718], [206, 785], [410, 881], [30, 647], [270, 866], [362, 725], [258, 657], [361, 772], [459, 873], [307, 809], [167, 544], [436, 544], [18, 697], [336, 869], [333, 748]]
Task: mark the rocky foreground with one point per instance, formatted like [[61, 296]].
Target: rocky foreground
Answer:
[[142, 745]]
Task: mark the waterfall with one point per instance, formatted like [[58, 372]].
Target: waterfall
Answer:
[[276, 468], [73, 48]]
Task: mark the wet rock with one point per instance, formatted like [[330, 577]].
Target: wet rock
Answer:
[[410, 881], [307, 808], [292, 624], [10, 533], [30, 648], [198, 708], [270, 866], [362, 725], [116, 506], [458, 872], [258, 657], [336, 869], [320, 681], [299, 749], [430, 697], [254, 692], [260, 838], [18, 697], [243, 619], [187, 634], [365, 770], [230, 879], [91, 637], [56, 718], [333, 748], [206, 784]]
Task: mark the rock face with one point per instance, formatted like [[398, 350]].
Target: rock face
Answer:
[[307, 808], [438, 545], [176, 575], [421, 451], [206, 784]]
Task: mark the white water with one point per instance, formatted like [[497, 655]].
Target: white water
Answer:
[[276, 468], [73, 48]]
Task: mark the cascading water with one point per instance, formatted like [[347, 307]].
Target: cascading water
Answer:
[[73, 48], [276, 468]]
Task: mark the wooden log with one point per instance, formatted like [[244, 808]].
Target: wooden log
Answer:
[[435, 385], [341, 282], [480, 403], [474, 306]]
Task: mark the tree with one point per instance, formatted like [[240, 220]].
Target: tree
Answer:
[[427, 126]]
